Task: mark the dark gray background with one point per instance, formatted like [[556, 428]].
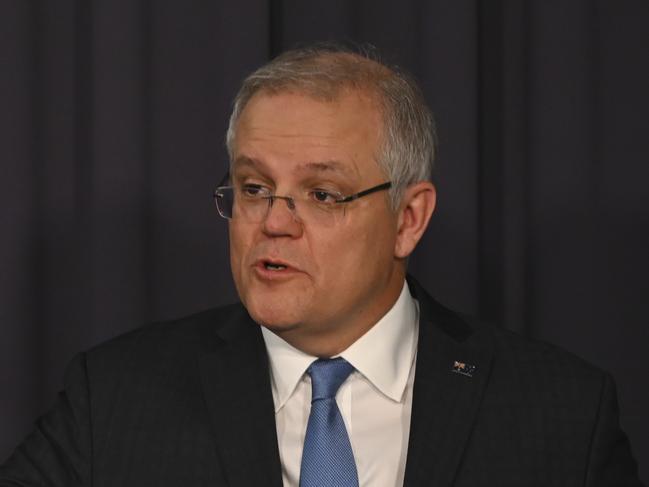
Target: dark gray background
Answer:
[[112, 117]]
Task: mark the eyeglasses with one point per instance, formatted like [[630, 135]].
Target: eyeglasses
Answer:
[[252, 203]]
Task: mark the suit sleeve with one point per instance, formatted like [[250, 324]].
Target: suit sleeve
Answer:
[[611, 463], [58, 451]]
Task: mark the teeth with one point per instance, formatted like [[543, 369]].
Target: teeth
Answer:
[[274, 267]]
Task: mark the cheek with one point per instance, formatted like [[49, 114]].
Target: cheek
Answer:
[[239, 242], [355, 251], [375, 245]]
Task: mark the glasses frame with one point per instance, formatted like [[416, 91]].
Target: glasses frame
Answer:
[[290, 201]]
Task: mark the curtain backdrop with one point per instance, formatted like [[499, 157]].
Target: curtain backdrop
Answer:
[[112, 121]]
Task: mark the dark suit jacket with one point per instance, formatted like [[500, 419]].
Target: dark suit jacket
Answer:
[[189, 403]]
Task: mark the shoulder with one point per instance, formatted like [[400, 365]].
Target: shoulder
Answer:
[[162, 346], [519, 366], [198, 330], [516, 351], [537, 372]]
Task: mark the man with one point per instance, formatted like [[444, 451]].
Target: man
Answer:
[[335, 369]]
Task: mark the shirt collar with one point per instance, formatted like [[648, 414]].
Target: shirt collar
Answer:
[[287, 366], [384, 355]]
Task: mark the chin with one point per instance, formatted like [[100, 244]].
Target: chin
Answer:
[[276, 304], [278, 323], [279, 328], [273, 314]]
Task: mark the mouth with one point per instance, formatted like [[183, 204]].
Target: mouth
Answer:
[[272, 266], [274, 269]]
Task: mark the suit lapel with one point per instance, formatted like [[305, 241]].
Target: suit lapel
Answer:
[[238, 394], [447, 393]]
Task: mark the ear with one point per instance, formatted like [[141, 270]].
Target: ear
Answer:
[[417, 206]]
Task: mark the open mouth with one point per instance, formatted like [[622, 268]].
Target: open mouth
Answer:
[[274, 268]]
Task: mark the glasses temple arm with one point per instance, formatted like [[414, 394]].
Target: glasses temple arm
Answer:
[[353, 197]]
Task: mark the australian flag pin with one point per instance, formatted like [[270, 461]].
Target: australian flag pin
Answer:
[[463, 368]]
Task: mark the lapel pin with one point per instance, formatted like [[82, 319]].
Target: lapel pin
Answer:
[[463, 369]]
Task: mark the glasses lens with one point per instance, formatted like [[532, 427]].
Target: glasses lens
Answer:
[[319, 213], [233, 204], [224, 199], [241, 205]]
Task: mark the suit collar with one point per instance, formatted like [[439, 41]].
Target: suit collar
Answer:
[[235, 380], [447, 392]]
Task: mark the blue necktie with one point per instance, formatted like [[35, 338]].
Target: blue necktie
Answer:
[[327, 458]]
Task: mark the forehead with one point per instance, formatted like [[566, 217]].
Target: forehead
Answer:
[[309, 134]]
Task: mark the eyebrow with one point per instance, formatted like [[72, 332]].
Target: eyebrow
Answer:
[[325, 166], [311, 166], [245, 161]]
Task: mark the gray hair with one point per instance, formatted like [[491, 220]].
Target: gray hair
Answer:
[[408, 139]]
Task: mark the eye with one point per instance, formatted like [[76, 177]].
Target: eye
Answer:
[[324, 197], [254, 190]]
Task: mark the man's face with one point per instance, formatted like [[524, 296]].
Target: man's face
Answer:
[[337, 280]]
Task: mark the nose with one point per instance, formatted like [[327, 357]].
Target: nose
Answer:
[[281, 218]]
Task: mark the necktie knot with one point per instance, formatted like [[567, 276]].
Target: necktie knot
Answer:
[[327, 375]]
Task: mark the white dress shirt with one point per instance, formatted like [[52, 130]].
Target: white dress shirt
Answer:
[[375, 401]]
